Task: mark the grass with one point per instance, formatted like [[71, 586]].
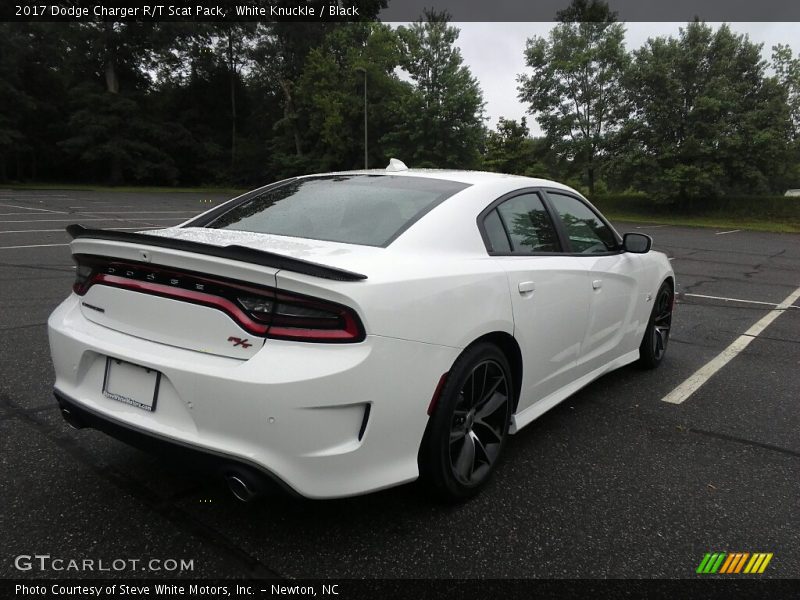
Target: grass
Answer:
[[709, 220], [758, 213], [87, 187]]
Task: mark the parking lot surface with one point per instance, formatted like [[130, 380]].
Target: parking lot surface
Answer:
[[615, 482]]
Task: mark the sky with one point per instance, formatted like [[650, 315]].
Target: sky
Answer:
[[494, 54]]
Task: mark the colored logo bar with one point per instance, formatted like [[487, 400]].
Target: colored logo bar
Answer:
[[734, 562]]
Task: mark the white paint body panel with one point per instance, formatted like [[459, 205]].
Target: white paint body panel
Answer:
[[295, 408]]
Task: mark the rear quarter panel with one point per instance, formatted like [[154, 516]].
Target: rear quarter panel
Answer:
[[445, 302]]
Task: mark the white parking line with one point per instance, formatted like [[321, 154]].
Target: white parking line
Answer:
[[704, 373], [47, 210], [64, 231], [63, 212], [32, 246], [18, 196], [652, 226], [735, 300], [725, 232]]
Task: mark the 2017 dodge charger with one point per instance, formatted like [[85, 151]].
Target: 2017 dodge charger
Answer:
[[347, 332]]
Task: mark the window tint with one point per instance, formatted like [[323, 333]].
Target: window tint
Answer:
[[356, 209], [586, 232], [528, 224], [498, 240]]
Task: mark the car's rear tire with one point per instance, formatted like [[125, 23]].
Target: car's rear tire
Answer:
[[469, 426], [656, 336]]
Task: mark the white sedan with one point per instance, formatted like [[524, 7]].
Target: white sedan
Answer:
[[347, 332]]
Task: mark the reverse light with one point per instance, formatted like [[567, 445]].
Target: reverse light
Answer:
[[259, 308]]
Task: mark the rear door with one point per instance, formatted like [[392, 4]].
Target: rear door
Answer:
[[549, 292]]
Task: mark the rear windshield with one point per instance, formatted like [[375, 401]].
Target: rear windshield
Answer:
[[371, 210]]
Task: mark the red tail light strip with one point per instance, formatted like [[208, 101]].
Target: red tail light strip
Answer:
[[191, 296], [290, 316]]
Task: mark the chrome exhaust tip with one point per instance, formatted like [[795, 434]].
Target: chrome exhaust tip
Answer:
[[240, 489], [71, 419]]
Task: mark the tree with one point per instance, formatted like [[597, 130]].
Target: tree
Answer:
[[13, 142], [511, 149], [330, 94], [787, 70], [280, 56], [442, 121], [233, 49], [707, 121], [576, 84], [111, 133]]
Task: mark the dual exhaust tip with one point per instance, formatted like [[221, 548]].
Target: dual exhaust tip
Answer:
[[244, 485], [71, 419], [242, 490]]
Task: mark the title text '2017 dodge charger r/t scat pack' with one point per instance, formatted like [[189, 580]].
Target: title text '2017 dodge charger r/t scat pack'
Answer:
[[343, 333]]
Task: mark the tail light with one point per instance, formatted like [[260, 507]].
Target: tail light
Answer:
[[259, 310]]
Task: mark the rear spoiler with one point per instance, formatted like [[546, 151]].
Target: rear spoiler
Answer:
[[232, 252]]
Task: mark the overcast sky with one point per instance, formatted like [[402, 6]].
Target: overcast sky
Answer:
[[494, 54]]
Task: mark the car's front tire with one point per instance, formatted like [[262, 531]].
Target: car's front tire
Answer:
[[656, 336], [469, 426]]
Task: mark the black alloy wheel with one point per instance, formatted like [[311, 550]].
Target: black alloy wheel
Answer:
[[469, 427], [656, 337]]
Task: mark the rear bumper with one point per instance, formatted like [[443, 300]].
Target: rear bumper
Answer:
[[325, 420], [201, 459]]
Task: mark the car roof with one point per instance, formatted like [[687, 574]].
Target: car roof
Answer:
[[461, 176]]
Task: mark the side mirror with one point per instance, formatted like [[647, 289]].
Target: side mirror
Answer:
[[638, 243]]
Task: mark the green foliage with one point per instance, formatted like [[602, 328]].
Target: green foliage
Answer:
[[787, 71], [691, 119], [576, 85], [330, 95], [708, 122], [750, 209], [113, 136], [510, 149], [440, 122]]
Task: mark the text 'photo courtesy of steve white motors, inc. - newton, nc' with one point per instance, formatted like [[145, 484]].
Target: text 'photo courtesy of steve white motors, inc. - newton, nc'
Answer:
[[195, 590], [156, 11]]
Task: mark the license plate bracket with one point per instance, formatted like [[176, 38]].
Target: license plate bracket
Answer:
[[131, 384]]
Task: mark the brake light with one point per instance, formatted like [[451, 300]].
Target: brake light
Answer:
[[259, 310]]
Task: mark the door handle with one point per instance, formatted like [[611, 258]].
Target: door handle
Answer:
[[597, 284], [526, 287]]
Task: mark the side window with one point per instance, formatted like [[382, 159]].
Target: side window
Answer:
[[528, 224], [498, 240], [586, 232]]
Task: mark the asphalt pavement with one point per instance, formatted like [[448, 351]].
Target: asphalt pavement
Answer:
[[613, 483]]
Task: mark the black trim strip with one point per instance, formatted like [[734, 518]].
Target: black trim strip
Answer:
[[232, 252], [364, 421], [155, 390]]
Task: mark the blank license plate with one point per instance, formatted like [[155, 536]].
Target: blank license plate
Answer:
[[131, 384]]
